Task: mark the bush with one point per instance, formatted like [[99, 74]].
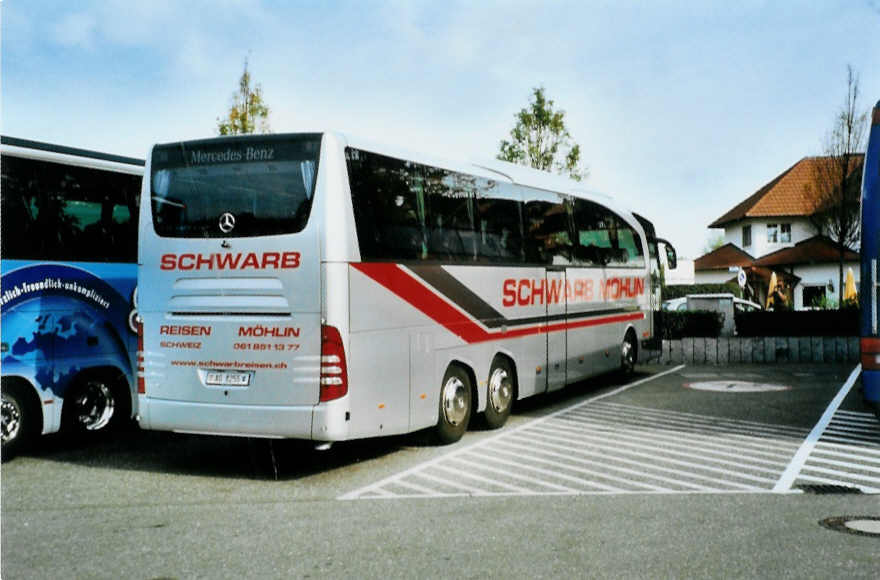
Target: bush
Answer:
[[799, 323], [679, 324]]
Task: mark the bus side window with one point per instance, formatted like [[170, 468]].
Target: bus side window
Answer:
[[499, 223], [55, 212], [386, 194], [592, 223], [403, 235], [604, 238], [630, 245], [56, 226], [450, 215], [547, 229], [19, 209], [99, 208]]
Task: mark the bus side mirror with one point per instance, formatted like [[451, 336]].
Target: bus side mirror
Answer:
[[671, 257]]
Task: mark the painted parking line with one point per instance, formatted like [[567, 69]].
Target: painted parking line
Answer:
[[843, 449], [599, 447], [847, 454]]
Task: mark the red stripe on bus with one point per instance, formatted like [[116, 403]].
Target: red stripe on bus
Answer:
[[393, 278]]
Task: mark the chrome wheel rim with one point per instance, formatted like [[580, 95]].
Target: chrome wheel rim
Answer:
[[500, 390], [94, 406], [11, 420], [627, 355], [455, 404]]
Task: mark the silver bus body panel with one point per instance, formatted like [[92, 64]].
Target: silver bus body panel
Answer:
[[261, 322], [400, 330]]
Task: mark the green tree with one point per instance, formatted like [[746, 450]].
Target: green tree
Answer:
[[540, 139], [713, 242], [248, 112]]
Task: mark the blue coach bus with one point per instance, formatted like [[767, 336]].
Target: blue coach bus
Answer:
[[870, 282], [67, 289]]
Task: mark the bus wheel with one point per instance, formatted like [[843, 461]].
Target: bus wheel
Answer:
[[499, 393], [95, 402], [18, 422], [628, 354], [455, 405]]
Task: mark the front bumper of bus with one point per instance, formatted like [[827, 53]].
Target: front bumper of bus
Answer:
[[323, 422]]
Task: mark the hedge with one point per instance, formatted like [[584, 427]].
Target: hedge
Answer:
[[798, 323], [671, 325]]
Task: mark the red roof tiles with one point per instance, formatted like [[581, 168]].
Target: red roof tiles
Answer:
[[722, 258], [789, 194], [816, 250]]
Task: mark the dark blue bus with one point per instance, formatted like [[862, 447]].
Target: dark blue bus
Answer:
[[67, 289], [870, 282]]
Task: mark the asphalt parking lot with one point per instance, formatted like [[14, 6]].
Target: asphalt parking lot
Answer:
[[697, 471]]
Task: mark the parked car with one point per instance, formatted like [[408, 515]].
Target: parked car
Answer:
[[739, 304], [726, 303]]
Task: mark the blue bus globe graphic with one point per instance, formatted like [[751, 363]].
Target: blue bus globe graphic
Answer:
[[55, 336]]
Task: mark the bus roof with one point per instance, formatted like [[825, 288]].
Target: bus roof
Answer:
[[494, 169], [491, 169], [23, 148]]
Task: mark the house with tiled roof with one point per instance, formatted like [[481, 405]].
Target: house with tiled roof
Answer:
[[771, 231]]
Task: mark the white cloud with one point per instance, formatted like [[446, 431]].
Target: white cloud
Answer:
[[192, 36], [681, 109]]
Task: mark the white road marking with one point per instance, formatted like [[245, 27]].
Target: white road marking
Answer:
[[622, 453], [841, 434], [599, 448], [528, 453], [357, 493]]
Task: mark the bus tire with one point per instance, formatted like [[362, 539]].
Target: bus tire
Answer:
[[628, 353], [20, 420], [98, 401], [499, 392], [456, 393]]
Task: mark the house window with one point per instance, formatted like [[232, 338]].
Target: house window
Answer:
[[785, 233], [814, 296], [747, 236], [772, 233]]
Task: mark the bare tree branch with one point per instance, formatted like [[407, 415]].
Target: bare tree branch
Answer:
[[837, 175]]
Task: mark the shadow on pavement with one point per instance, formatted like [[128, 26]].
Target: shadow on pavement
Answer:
[[131, 448]]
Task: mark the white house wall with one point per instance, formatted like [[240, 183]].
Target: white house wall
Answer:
[[821, 275], [801, 229]]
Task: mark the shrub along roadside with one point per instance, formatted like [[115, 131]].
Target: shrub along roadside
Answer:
[[799, 323], [673, 325]]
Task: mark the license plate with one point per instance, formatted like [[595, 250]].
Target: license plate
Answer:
[[227, 378]]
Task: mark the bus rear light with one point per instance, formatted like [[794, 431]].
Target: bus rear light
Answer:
[[870, 354], [141, 384], [334, 373]]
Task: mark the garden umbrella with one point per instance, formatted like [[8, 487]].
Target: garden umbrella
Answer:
[[770, 289], [849, 291]]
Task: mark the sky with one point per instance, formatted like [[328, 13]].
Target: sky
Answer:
[[681, 109]]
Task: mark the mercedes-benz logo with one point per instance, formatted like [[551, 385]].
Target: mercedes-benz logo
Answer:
[[227, 222]]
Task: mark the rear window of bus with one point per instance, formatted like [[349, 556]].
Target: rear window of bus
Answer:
[[265, 184]]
